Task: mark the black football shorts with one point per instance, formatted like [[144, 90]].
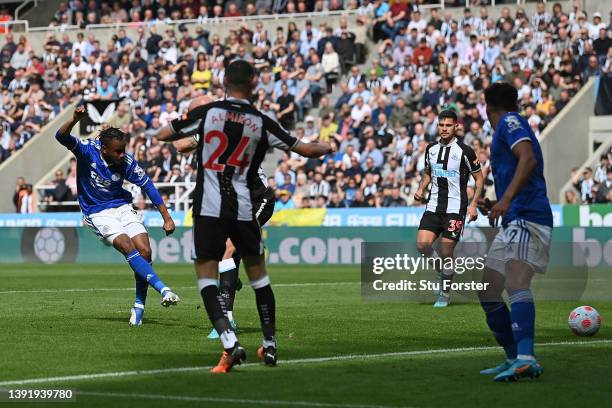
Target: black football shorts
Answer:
[[211, 233]]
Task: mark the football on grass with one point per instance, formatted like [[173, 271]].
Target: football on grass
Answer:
[[584, 321]]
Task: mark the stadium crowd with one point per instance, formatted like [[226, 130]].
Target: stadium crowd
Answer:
[[313, 80]]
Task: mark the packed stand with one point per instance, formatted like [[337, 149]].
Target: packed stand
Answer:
[[592, 186], [387, 112], [153, 76], [313, 81]]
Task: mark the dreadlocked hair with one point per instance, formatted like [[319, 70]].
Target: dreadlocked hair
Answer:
[[108, 133]]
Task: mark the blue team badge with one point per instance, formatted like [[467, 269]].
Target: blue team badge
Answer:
[[139, 172], [513, 123], [115, 177]]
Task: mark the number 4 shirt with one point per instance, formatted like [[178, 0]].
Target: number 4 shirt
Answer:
[[233, 140]]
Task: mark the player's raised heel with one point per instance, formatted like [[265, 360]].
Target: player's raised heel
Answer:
[[170, 298], [267, 355], [498, 369], [136, 315], [520, 368], [228, 360]]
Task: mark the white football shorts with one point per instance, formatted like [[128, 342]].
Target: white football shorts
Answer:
[[520, 240], [112, 222]]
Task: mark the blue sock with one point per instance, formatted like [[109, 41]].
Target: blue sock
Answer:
[[523, 321], [498, 319], [145, 271], [141, 290]]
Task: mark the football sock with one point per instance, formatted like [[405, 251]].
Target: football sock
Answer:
[[141, 290], [498, 320], [227, 287], [266, 306], [446, 280], [523, 322], [145, 271], [213, 304]]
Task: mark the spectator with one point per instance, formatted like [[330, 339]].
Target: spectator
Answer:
[[394, 200], [20, 58], [285, 202], [303, 99], [60, 193], [585, 186], [286, 103], [331, 65], [602, 194], [372, 153], [26, 201], [319, 188], [19, 189], [602, 170]]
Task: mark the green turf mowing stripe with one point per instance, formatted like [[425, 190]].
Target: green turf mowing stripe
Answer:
[[232, 400], [276, 285], [315, 360]]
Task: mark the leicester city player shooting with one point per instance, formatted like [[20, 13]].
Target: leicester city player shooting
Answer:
[[521, 246], [102, 167]]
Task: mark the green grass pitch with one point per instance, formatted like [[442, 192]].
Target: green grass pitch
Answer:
[[335, 350]]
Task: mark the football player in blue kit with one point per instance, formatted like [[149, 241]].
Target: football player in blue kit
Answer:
[[102, 167], [520, 248]]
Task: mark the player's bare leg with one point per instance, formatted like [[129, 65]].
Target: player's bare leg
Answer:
[[424, 243], [266, 306], [207, 272]]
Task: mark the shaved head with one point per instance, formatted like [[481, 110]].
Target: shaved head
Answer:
[[199, 101]]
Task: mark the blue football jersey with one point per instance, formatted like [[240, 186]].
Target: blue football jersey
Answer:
[[99, 184], [531, 203]]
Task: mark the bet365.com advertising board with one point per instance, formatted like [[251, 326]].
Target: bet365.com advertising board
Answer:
[[285, 245]]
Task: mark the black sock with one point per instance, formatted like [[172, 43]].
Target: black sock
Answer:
[[214, 307], [227, 288], [266, 306]]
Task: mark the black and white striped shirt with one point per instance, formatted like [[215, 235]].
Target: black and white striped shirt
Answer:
[[233, 140], [450, 166]]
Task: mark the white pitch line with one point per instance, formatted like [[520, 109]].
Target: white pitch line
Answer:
[[229, 400], [277, 285], [304, 361]]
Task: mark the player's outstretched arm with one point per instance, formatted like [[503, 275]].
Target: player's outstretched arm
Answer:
[[312, 150], [169, 226], [187, 125], [185, 145], [167, 134], [158, 202], [63, 134]]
